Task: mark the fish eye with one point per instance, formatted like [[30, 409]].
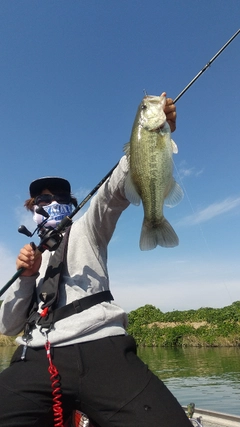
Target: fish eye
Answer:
[[144, 106]]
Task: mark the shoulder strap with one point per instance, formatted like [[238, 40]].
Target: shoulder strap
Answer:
[[50, 287], [52, 277]]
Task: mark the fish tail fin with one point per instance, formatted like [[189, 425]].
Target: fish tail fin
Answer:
[[162, 235]]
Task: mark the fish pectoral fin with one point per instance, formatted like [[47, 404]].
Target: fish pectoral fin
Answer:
[[163, 235], [131, 192], [174, 196], [174, 147]]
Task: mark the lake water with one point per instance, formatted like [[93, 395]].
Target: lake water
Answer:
[[209, 377]]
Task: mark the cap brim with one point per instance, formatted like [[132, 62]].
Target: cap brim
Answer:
[[51, 183]]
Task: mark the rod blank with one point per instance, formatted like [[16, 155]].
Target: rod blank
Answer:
[[206, 66]]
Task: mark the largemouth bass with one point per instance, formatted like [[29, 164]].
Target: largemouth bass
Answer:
[[150, 176]]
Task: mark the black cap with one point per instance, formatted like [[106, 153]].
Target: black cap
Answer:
[[52, 183]]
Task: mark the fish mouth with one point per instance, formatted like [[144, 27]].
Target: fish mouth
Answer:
[[158, 129]]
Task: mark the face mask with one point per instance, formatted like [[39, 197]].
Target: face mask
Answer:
[[56, 213]]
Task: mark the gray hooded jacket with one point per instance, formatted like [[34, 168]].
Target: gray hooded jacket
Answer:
[[84, 273]]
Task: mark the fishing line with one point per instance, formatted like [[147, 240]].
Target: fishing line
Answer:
[[175, 100], [199, 226], [194, 212], [182, 93], [190, 203]]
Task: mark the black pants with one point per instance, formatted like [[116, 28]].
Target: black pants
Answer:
[[103, 378]]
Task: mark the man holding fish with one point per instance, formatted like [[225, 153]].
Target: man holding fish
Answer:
[[98, 370]]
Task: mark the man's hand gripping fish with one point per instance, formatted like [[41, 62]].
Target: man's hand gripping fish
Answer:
[[150, 174]]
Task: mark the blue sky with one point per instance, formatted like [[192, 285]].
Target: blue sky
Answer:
[[72, 75]]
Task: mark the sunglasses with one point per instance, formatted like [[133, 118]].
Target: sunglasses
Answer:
[[46, 199]]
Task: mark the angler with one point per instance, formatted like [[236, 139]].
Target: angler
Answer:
[[75, 352]]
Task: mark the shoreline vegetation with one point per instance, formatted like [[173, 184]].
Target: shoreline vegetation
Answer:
[[205, 327]]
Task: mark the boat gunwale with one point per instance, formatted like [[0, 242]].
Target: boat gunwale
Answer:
[[216, 416]]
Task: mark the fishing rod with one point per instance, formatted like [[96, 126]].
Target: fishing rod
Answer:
[[51, 238], [206, 66]]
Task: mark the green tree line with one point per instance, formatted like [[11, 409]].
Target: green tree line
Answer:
[[203, 327]]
